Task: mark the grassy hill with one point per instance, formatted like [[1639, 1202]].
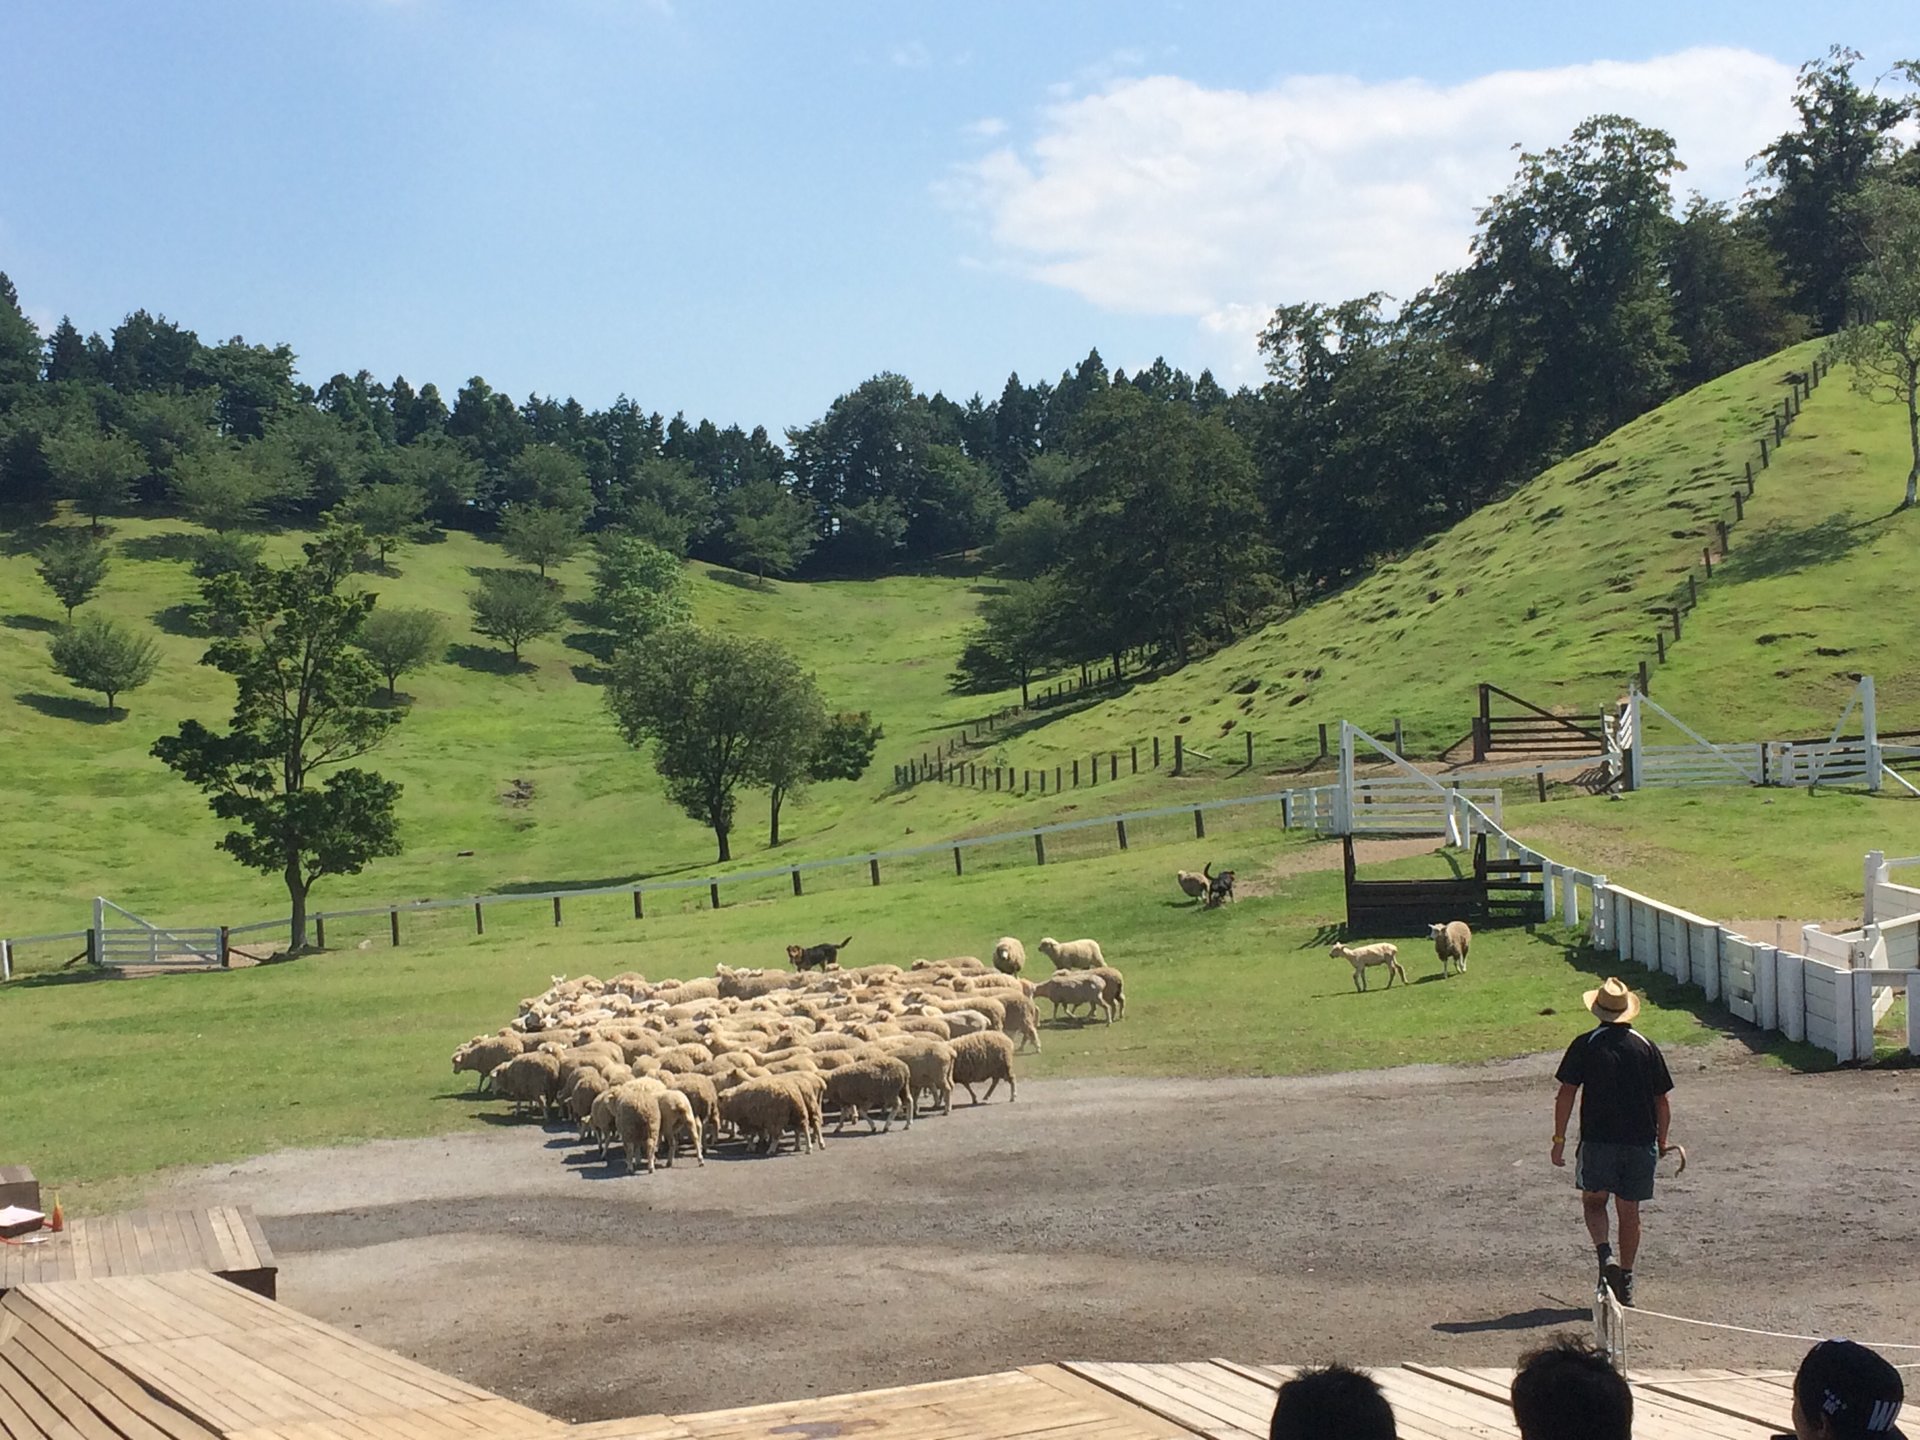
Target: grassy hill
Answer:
[[88, 812]]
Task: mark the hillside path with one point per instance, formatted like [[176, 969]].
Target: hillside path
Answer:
[[1402, 1215]]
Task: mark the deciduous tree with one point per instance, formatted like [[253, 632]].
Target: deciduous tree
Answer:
[[1883, 346], [303, 706], [514, 607], [73, 564], [538, 536], [400, 641], [770, 530], [100, 654], [96, 472], [390, 514]]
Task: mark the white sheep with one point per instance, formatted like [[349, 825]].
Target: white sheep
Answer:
[[987, 1056], [1116, 989], [1009, 955], [879, 1083], [1072, 954], [1193, 883], [1450, 943], [679, 1121], [1075, 988], [1362, 956]]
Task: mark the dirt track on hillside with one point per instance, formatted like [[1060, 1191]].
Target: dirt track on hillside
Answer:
[[1400, 1215]]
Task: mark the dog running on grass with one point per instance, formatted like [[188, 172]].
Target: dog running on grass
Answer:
[[1219, 887], [817, 957]]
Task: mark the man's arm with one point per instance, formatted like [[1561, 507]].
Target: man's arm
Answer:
[[1662, 1117], [1563, 1112]]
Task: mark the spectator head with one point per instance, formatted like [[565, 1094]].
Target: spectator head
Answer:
[[1846, 1392], [1335, 1403], [1566, 1390]]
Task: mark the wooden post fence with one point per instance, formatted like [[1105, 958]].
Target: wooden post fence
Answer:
[[639, 907], [1199, 824], [393, 925], [873, 869], [1156, 752], [320, 931], [480, 919], [1120, 831], [713, 893], [226, 949], [1179, 754], [1039, 849], [795, 872], [556, 910], [956, 861], [1250, 745]]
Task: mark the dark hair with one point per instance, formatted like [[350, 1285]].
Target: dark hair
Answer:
[[1335, 1403], [1850, 1387], [1566, 1390]]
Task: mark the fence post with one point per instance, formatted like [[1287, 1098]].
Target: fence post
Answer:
[[1540, 779], [226, 953], [1156, 752], [1763, 452], [393, 925], [1199, 823], [639, 912], [1693, 590], [320, 932], [480, 920], [6, 960], [1179, 754], [796, 879], [1286, 811], [873, 868], [1323, 740], [1399, 739], [1739, 506], [1136, 759], [1039, 849], [1076, 774], [713, 893], [1113, 765], [1056, 778], [1250, 744], [1721, 526], [1660, 645], [1120, 829], [956, 861], [556, 910], [1643, 678], [1043, 782], [1749, 477]]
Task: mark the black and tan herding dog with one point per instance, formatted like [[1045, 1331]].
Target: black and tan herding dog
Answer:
[[817, 957]]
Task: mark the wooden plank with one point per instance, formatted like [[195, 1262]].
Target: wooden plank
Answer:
[[1058, 1377], [13, 1419], [1747, 1399], [1172, 1398], [39, 1418], [1420, 1401], [72, 1408], [226, 1251], [111, 1379], [262, 1252]]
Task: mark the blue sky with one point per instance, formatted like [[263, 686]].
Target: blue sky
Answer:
[[741, 211]]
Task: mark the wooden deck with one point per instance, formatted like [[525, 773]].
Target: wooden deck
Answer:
[[184, 1356], [225, 1239]]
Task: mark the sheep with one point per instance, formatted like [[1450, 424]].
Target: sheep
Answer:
[[969, 1022], [987, 1056], [1116, 989], [929, 1066], [879, 1083], [587, 1086], [764, 1110], [1072, 954], [677, 1120], [528, 1079], [1022, 1020], [485, 1053], [1192, 882], [1450, 943], [636, 1120], [1075, 988], [1009, 955], [1361, 956], [702, 1096]]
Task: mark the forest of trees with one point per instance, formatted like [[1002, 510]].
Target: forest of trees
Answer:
[[1170, 512]]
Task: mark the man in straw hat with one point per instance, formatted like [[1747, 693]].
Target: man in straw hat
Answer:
[[1622, 1081]]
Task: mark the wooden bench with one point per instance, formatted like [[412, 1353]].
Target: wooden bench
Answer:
[[225, 1239]]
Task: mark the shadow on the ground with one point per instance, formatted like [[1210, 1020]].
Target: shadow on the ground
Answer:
[[1538, 1318], [30, 622], [177, 546], [1789, 549], [72, 707], [485, 660]]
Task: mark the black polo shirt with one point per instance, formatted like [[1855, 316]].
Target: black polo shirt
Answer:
[[1620, 1074]]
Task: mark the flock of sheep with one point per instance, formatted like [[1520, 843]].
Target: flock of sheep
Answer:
[[661, 1068], [1450, 942]]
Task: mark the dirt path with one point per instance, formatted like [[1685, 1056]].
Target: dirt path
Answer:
[[1400, 1215]]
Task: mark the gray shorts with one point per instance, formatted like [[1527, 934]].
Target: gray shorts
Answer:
[[1623, 1170]]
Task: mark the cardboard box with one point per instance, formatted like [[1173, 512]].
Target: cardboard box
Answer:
[[18, 1220], [18, 1187]]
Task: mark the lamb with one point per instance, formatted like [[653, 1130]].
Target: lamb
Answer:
[[1362, 956], [879, 1083], [527, 1080], [1450, 942], [677, 1121], [1009, 955], [1075, 988], [1116, 989], [485, 1054], [1193, 883], [987, 1056], [1072, 954]]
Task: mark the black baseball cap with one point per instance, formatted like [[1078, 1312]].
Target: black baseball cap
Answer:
[[1855, 1390]]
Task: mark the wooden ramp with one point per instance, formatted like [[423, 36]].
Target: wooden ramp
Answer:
[[225, 1239], [249, 1369]]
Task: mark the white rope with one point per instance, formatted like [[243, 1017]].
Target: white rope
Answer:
[[1771, 1334]]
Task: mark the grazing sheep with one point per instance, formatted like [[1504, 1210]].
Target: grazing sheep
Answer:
[[1009, 955], [1450, 943], [1362, 956], [878, 1083], [987, 1056], [1193, 884], [1072, 954], [1074, 988], [678, 1121], [1116, 989], [485, 1054], [527, 1080]]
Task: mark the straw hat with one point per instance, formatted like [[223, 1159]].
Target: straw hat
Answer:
[[1613, 1003]]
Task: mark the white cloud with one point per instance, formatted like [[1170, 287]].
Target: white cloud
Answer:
[[1155, 195], [912, 55], [988, 127]]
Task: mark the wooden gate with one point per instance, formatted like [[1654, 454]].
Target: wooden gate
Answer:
[[1529, 730], [1499, 892]]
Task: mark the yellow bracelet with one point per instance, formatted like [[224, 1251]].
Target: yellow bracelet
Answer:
[[1559, 1139]]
